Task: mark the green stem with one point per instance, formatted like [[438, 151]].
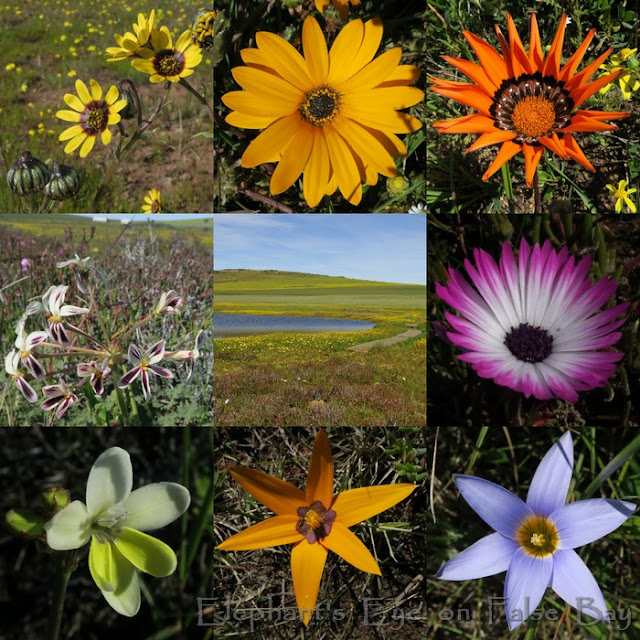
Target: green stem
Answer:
[[120, 395], [536, 194], [200, 98], [65, 568]]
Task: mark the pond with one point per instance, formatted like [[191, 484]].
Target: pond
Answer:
[[238, 324]]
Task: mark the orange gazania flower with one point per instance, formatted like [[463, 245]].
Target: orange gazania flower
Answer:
[[315, 521], [526, 102]]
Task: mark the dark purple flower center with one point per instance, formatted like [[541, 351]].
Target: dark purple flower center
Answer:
[[95, 117], [315, 521], [529, 344], [168, 62]]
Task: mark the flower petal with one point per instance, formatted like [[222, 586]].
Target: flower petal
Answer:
[[583, 522], [155, 505], [146, 553], [275, 494], [486, 557], [527, 579], [320, 477], [268, 533], [355, 505], [499, 508], [349, 547], [70, 528], [110, 480], [550, 484], [575, 584], [307, 565]]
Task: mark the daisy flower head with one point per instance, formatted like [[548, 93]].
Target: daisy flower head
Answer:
[[534, 540], [163, 61], [92, 114], [621, 196], [526, 102], [341, 5], [152, 202], [130, 43], [332, 114], [533, 323]]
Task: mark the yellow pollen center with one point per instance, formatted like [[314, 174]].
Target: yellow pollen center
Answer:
[[313, 519], [533, 116], [53, 319], [538, 536], [96, 119], [169, 66], [320, 106]]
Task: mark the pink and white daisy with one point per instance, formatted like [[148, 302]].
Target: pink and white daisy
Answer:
[[145, 362], [533, 323], [58, 395]]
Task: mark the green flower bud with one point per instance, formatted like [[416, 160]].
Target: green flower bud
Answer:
[[56, 498], [27, 175], [633, 62], [25, 523], [64, 182], [202, 28], [397, 185], [130, 109]]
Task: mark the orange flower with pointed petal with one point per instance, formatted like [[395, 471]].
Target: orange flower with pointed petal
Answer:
[[315, 521], [527, 102]]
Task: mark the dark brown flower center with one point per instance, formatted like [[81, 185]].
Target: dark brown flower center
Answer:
[[529, 344], [532, 106], [320, 106], [168, 62], [315, 521], [95, 117]]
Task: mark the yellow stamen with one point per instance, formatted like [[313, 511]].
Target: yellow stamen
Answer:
[[313, 519], [538, 536], [533, 116]]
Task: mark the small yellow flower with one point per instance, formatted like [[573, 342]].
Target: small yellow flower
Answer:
[[621, 194], [152, 202], [10, 66], [72, 73], [628, 81]]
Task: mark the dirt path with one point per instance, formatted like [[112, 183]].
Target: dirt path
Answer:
[[412, 332]]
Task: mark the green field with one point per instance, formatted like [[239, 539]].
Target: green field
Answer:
[[285, 379]]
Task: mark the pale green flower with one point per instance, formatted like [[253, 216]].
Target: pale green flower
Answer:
[[113, 520]]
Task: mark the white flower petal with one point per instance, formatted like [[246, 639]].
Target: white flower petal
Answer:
[[69, 528], [110, 480], [155, 505]]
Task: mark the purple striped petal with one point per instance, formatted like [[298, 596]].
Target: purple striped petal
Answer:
[[36, 369], [51, 391], [135, 355], [65, 404], [50, 403], [550, 484], [156, 352], [97, 384], [575, 584], [26, 389], [499, 508], [486, 557], [129, 377], [160, 371], [527, 579], [70, 310], [583, 522], [146, 389], [34, 338]]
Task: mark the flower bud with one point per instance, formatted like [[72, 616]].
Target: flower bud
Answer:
[[64, 182], [202, 28], [130, 108], [397, 185], [27, 175], [56, 498], [25, 522]]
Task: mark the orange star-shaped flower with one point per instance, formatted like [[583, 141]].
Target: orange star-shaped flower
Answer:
[[315, 521]]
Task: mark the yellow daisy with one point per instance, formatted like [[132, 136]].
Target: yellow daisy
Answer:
[[92, 114], [332, 114], [341, 5], [621, 196], [130, 43], [166, 62], [152, 202]]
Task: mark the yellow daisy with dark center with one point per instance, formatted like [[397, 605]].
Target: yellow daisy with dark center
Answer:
[[93, 115], [152, 202], [166, 62], [130, 43], [332, 114]]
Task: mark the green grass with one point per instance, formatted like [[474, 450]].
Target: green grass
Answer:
[[313, 379], [52, 45]]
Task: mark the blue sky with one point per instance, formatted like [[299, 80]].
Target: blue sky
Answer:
[[386, 248]]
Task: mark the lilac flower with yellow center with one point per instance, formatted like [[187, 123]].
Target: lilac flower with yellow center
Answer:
[[535, 540], [533, 323]]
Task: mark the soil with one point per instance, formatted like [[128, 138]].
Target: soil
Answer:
[[386, 342]]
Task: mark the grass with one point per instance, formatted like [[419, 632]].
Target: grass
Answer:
[[454, 182], [509, 457], [257, 585], [46, 48], [312, 379], [241, 190], [136, 268]]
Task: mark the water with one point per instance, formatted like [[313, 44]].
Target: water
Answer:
[[236, 324]]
